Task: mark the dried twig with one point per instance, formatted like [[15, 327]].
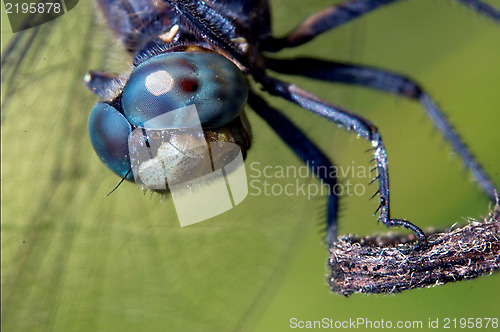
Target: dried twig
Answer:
[[389, 264]]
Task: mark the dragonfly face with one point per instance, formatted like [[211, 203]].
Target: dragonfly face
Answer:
[[166, 83], [176, 65]]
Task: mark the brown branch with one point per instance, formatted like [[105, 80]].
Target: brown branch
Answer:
[[389, 264]]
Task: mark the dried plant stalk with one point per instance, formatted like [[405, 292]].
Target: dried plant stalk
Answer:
[[389, 264]]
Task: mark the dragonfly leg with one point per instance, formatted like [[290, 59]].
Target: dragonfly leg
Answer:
[[307, 151], [393, 83], [334, 16], [323, 21], [352, 122]]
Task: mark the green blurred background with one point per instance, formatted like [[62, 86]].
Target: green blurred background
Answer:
[[75, 260]]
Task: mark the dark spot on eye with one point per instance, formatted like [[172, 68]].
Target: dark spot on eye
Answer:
[[188, 84], [183, 63]]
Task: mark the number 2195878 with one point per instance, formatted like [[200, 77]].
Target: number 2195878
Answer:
[[470, 323], [32, 7]]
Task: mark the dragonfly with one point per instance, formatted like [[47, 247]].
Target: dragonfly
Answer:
[[80, 167]]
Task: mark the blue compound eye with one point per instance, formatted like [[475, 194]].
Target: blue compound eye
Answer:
[[109, 131], [170, 81]]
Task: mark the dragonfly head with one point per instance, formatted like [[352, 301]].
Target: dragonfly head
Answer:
[[176, 106]]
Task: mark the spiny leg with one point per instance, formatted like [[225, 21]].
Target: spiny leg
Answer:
[[352, 122], [334, 16], [307, 151], [394, 83]]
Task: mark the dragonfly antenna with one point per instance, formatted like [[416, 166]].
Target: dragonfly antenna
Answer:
[[119, 183]]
